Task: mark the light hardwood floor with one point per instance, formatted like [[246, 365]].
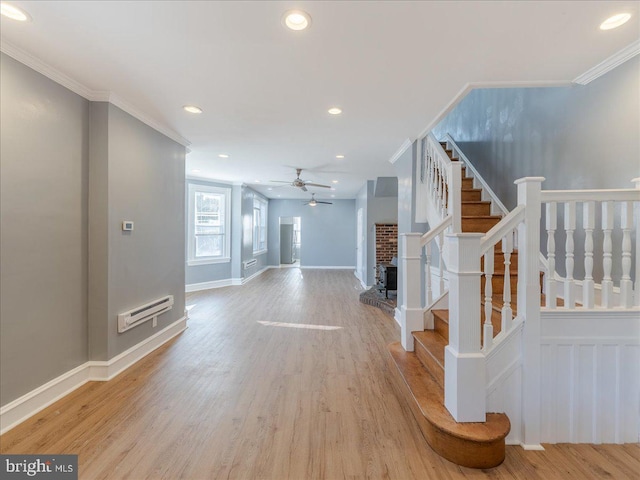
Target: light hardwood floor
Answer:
[[235, 398]]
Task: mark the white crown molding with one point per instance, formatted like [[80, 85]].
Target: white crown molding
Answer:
[[403, 148], [92, 95], [610, 63], [147, 120]]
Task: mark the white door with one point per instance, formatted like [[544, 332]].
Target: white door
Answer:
[[360, 248]]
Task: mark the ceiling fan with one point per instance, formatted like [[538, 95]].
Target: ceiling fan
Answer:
[[313, 202], [299, 183]]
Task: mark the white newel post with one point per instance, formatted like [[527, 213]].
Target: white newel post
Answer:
[[464, 365], [411, 310], [529, 306]]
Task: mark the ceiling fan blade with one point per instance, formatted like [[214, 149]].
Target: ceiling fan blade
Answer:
[[304, 188], [309, 184], [279, 181], [328, 203]]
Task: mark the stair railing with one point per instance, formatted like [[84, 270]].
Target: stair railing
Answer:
[[440, 182], [600, 262], [465, 356], [497, 207]]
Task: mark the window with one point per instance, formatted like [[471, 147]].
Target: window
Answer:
[[259, 225], [208, 224]]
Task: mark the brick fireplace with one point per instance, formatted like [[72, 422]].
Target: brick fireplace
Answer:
[[386, 243]]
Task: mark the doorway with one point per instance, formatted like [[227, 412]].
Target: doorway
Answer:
[[290, 241]]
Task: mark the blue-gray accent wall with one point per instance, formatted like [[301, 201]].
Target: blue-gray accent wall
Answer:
[[328, 232], [578, 137]]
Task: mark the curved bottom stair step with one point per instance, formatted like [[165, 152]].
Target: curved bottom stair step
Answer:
[[475, 445]]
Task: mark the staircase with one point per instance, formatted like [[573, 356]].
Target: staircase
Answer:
[[420, 374], [504, 349]]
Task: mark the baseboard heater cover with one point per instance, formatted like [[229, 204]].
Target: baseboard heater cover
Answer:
[[144, 313], [249, 263]]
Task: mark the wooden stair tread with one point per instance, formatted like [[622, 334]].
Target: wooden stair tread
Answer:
[[475, 445]]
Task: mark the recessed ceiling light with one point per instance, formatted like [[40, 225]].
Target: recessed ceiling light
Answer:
[[334, 181], [615, 21], [192, 109], [195, 170], [335, 111], [14, 13], [296, 20], [279, 195], [223, 155], [340, 157], [257, 181]]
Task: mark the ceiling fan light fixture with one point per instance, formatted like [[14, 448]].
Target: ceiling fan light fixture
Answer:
[[615, 21], [14, 13], [313, 203], [339, 157], [296, 20], [223, 155], [334, 111]]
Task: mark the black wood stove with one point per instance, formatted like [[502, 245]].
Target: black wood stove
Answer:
[[388, 279]]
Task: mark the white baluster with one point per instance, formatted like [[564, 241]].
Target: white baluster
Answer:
[[551, 224], [441, 265], [626, 285], [588, 222], [607, 251], [507, 312], [427, 275], [569, 226], [488, 299]]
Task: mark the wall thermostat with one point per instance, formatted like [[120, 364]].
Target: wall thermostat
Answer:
[[127, 226]]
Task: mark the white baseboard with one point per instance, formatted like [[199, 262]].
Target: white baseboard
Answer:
[[259, 272], [36, 400], [537, 447], [397, 316], [196, 287], [329, 268], [226, 282]]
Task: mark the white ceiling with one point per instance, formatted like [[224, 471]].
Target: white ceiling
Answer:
[[393, 66]]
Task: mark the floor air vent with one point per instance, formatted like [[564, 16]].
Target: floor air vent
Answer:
[[143, 313]]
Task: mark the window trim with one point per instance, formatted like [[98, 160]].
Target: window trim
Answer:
[[265, 205], [226, 256]]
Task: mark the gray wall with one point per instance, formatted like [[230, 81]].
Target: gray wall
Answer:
[[241, 238], [328, 232], [375, 210], [70, 172], [405, 168], [43, 239], [577, 137], [248, 194], [212, 271], [146, 185]]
